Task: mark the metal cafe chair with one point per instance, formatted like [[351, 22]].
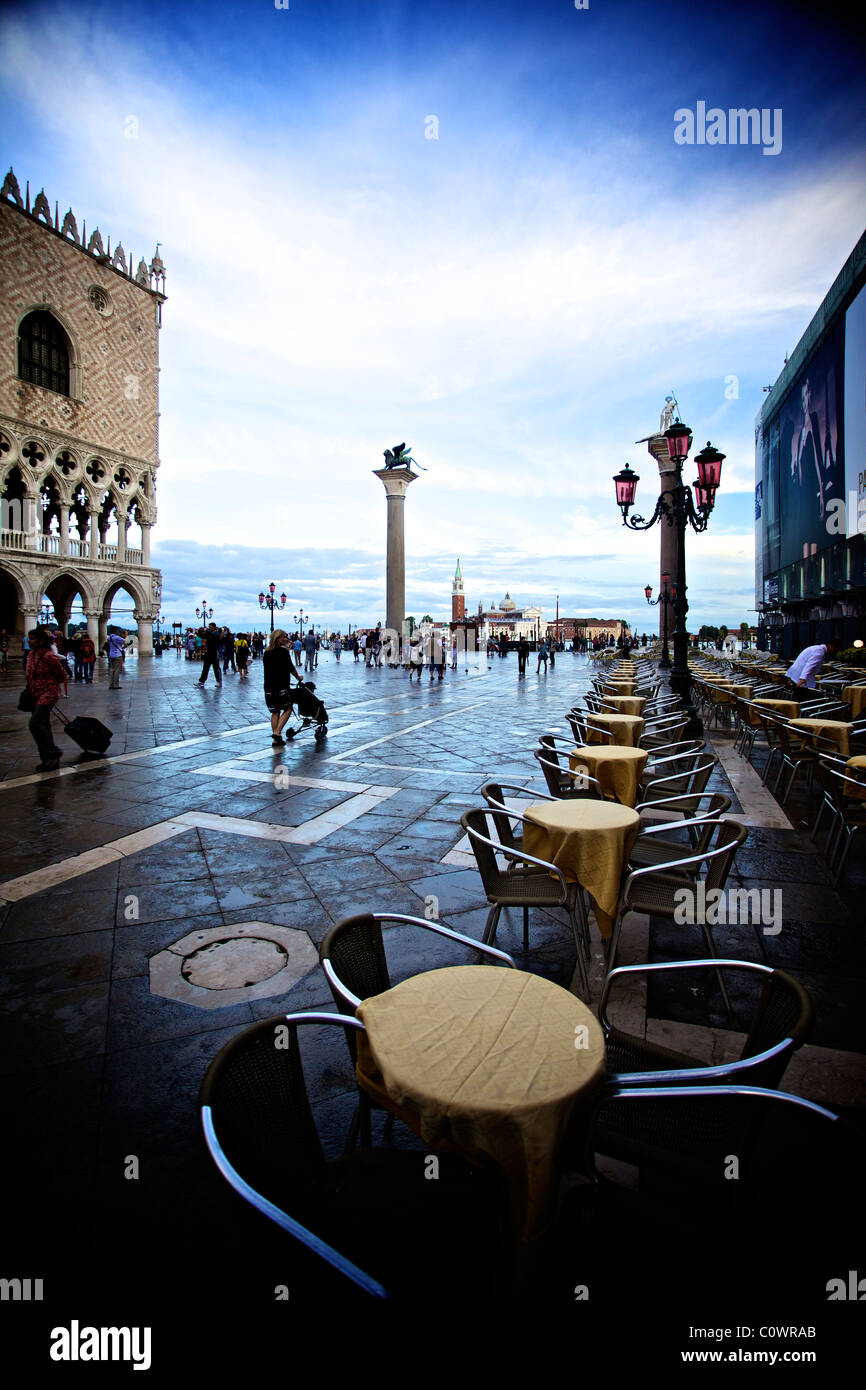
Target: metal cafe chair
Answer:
[[260, 1132], [780, 1023], [850, 820], [654, 847], [656, 889], [353, 957], [688, 1131], [521, 885], [554, 763], [371, 1204], [688, 777]]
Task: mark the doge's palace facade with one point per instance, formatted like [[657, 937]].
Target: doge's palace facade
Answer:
[[79, 333]]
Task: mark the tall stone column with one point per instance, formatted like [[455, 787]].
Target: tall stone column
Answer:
[[657, 445], [64, 529], [93, 552], [93, 617], [145, 543], [395, 482], [122, 528]]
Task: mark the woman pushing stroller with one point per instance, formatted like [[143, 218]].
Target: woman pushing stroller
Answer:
[[281, 698]]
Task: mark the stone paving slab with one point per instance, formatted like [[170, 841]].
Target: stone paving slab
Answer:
[[86, 1039]]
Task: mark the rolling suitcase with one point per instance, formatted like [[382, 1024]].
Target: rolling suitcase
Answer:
[[89, 734]]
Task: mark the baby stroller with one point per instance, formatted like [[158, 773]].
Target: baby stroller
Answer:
[[310, 710]]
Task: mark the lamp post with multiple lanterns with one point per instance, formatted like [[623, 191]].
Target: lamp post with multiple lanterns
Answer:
[[204, 613], [665, 598], [270, 601], [300, 620], [680, 505]]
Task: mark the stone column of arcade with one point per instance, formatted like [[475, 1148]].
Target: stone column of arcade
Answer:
[[395, 482], [145, 623]]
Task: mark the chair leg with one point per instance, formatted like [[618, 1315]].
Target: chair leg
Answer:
[[841, 865], [581, 964], [821, 809], [712, 950], [491, 925]]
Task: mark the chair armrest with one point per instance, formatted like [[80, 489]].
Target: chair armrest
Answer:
[[658, 966], [688, 1075], [672, 865]]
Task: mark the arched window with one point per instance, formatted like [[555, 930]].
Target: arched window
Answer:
[[43, 352]]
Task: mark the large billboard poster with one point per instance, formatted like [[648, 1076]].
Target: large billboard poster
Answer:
[[811, 466], [855, 414]]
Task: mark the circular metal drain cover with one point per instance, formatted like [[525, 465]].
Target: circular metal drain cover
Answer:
[[234, 964]]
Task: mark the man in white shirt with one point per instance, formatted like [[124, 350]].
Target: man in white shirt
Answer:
[[808, 663]]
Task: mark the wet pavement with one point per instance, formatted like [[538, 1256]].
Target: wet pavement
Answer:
[[121, 877]]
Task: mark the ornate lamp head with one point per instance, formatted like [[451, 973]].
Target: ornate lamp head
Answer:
[[679, 438], [625, 482]]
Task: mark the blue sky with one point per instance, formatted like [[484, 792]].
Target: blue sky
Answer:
[[514, 298]]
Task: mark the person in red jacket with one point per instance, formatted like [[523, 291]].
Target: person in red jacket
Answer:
[[47, 678]]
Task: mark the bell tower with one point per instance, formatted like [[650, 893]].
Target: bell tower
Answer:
[[458, 602]]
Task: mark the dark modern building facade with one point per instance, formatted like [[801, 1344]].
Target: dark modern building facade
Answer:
[[810, 479]]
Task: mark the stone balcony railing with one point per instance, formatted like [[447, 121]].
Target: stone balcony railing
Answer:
[[75, 549]]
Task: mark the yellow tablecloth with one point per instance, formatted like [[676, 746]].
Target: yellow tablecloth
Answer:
[[590, 841], [855, 696], [627, 729], [789, 708], [858, 770], [488, 1062], [834, 729], [619, 770], [626, 704], [619, 687]]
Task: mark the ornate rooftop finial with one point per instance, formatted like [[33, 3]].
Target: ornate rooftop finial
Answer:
[[11, 190], [457, 574]]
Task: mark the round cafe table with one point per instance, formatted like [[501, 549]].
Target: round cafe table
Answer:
[[855, 696], [627, 729], [619, 770], [789, 708], [626, 704], [857, 767], [590, 841], [620, 687], [837, 730], [488, 1062]]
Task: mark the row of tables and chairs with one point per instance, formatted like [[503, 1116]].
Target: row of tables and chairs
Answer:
[[509, 1081]]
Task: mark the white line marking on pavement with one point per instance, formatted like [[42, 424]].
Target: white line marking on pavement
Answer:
[[401, 733]]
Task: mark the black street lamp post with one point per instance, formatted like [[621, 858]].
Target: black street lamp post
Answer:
[[204, 613], [270, 601], [665, 598], [678, 505], [300, 620]]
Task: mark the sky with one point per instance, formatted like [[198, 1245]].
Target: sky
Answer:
[[464, 225]]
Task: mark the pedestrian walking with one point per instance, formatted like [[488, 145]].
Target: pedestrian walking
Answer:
[[542, 656], [416, 660], [47, 676], [211, 654], [356, 646], [228, 650], [114, 650], [242, 655], [522, 654], [279, 669], [309, 651], [87, 654], [337, 647]]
